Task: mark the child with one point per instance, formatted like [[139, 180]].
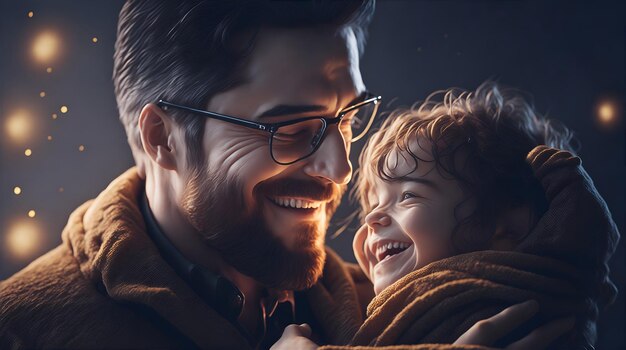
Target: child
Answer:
[[471, 205]]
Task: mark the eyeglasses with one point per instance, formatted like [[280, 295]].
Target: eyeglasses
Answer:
[[296, 139]]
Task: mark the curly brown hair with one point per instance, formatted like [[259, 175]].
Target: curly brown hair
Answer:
[[478, 138]]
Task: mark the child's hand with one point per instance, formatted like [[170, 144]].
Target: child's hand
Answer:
[[295, 337]]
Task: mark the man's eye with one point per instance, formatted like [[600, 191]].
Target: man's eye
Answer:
[[290, 134]]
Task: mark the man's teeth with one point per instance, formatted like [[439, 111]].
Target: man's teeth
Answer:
[[296, 203]]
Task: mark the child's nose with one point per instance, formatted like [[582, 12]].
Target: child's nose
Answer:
[[377, 218]]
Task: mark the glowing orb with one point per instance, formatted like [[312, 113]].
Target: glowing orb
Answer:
[[49, 138], [54, 116], [23, 239], [606, 112], [81, 148], [42, 94], [49, 69], [28, 152], [17, 190], [64, 109], [30, 14], [94, 39], [31, 213], [45, 47], [19, 126]]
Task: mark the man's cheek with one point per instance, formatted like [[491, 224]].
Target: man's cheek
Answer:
[[234, 152]]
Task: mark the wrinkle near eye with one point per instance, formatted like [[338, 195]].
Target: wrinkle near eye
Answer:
[[239, 149]]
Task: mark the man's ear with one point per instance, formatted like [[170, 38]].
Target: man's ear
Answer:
[[513, 226], [155, 129]]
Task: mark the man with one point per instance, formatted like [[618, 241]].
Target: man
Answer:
[[203, 242]]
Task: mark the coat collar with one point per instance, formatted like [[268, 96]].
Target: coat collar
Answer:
[[108, 238]]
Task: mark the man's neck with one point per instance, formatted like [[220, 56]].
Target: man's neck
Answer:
[[189, 243]]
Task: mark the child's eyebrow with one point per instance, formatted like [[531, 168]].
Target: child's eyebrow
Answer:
[[421, 181]]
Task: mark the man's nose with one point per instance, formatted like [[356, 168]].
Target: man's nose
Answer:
[[377, 218], [331, 161]]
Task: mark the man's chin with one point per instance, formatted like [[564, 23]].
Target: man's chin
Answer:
[[301, 262]]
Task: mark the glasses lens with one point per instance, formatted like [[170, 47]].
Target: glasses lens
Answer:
[[357, 122], [293, 142]]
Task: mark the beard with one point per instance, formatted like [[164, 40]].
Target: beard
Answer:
[[216, 207]]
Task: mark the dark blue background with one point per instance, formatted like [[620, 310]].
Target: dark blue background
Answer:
[[569, 55]]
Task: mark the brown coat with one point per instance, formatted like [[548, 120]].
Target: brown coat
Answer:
[[106, 286]]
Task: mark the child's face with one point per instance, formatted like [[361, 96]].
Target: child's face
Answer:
[[411, 221]]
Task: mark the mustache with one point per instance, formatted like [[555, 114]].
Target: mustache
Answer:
[[300, 188]]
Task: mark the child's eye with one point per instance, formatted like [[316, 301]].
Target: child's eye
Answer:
[[408, 195]]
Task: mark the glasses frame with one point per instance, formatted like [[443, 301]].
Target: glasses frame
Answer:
[[272, 128]]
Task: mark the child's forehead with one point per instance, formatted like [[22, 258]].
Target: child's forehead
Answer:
[[401, 163], [414, 158]]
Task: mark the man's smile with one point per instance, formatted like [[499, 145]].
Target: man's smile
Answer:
[[296, 203], [299, 208]]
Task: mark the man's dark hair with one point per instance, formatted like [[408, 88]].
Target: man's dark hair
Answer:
[[187, 51]]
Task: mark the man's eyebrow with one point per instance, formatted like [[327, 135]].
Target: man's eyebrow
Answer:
[[421, 181], [286, 110], [283, 110]]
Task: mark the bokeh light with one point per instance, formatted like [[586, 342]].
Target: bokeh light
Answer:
[[49, 137], [81, 148], [31, 213], [608, 112], [23, 239], [17, 190], [19, 126], [30, 14], [28, 152], [46, 46], [42, 94], [64, 109], [94, 40], [49, 69]]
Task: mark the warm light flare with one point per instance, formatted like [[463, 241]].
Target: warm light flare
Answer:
[[23, 239], [64, 109], [45, 47], [608, 112], [28, 152], [17, 190], [19, 126]]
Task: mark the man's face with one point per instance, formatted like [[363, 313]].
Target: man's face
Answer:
[[411, 221], [269, 220]]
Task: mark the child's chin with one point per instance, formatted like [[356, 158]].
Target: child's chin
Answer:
[[382, 283]]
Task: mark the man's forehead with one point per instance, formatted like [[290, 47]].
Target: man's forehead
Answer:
[[317, 71]]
